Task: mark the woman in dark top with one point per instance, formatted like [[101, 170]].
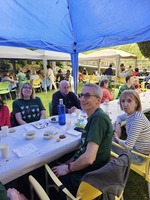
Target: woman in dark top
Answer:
[[28, 108]]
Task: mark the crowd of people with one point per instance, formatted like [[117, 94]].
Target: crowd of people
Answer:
[[98, 133]]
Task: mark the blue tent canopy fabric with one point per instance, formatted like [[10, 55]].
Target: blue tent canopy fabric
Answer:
[[73, 26]]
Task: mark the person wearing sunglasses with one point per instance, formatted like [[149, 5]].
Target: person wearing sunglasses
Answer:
[[70, 99], [96, 141], [28, 108]]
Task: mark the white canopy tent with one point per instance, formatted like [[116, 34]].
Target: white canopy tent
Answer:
[[18, 53], [110, 54], [55, 56]]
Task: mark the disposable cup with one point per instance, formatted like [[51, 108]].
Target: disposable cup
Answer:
[[77, 111], [68, 124], [4, 150], [5, 130]]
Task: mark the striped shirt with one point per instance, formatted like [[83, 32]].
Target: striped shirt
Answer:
[[138, 132]]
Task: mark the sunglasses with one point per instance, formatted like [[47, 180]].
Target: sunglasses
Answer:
[[87, 95]]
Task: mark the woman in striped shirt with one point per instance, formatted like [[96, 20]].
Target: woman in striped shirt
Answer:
[[137, 125]]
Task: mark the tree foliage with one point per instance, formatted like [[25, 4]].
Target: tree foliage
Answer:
[[4, 65], [145, 48]]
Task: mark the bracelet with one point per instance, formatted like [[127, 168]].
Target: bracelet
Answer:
[[69, 167]]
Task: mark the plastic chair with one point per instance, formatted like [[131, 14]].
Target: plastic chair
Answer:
[[115, 94], [142, 169], [50, 108], [122, 80], [38, 189], [86, 78], [143, 88], [94, 79], [36, 84], [4, 89], [90, 187], [116, 80], [58, 184]]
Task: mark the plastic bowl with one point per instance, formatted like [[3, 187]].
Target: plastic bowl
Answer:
[[48, 134], [30, 134]]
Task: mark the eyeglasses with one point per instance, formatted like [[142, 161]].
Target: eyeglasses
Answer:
[[27, 88], [87, 95]]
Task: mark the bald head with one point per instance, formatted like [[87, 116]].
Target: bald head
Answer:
[[64, 87]]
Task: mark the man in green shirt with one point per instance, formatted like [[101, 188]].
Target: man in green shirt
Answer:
[[3, 192], [130, 80], [96, 141]]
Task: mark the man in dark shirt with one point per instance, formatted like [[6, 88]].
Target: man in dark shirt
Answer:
[[109, 72], [70, 100], [96, 141]]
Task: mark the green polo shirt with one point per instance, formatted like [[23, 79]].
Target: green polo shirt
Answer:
[[125, 87], [3, 192]]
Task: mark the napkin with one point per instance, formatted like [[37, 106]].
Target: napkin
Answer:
[[25, 150], [29, 127], [73, 132]]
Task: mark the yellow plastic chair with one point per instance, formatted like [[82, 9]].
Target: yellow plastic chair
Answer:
[[122, 80], [59, 184], [85, 191], [143, 88], [94, 79], [4, 89], [142, 169], [38, 189], [116, 81], [86, 78], [36, 84], [91, 192]]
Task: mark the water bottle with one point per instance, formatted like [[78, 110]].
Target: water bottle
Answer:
[[61, 113]]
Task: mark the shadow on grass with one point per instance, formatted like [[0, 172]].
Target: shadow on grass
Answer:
[[136, 187]]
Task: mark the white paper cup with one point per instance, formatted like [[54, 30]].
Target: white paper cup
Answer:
[[5, 130], [68, 124], [4, 148], [77, 111]]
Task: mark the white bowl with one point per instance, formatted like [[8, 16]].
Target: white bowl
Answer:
[[30, 134], [48, 134]]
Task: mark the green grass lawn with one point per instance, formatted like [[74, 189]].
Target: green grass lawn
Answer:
[[136, 188]]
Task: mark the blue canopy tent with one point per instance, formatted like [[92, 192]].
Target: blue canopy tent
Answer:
[[73, 26]]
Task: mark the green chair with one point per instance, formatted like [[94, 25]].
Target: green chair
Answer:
[[50, 108], [4, 89], [115, 94]]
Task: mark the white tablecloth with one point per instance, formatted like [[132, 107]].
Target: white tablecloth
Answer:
[[45, 150]]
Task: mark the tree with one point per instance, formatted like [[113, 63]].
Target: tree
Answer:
[[4, 65], [145, 48]]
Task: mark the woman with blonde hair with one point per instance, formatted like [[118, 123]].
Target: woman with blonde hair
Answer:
[[28, 108], [137, 126]]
